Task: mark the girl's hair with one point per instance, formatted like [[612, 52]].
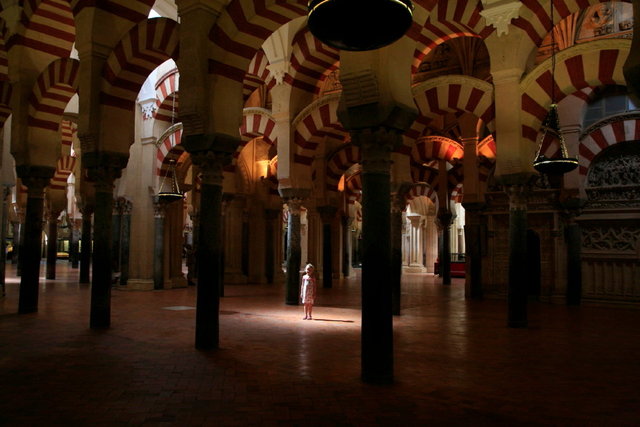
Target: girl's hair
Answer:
[[306, 267]]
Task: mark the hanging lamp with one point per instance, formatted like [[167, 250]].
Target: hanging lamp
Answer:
[[359, 25], [170, 191], [551, 125]]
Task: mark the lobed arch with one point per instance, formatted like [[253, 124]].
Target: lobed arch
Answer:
[[453, 94], [311, 61], [146, 46], [604, 136], [315, 123], [51, 93], [581, 66], [340, 162]]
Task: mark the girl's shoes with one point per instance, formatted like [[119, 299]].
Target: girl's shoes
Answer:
[[305, 318]]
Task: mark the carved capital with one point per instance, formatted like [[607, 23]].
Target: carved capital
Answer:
[[499, 13], [376, 146], [444, 219], [35, 178], [126, 206], [211, 164], [518, 195], [327, 213], [158, 208]]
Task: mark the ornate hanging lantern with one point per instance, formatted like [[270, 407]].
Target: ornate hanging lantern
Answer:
[[551, 125], [359, 25], [170, 191]]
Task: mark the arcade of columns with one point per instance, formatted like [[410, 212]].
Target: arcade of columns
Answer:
[[405, 173]]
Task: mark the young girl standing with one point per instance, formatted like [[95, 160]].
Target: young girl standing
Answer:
[[308, 291]]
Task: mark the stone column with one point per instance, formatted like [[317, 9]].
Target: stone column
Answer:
[[158, 243], [86, 238], [209, 247], [52, 244], [116, 224], [293, 198], [398, 204], [445, 218], [17, 232], [346, 245], [272, 220], [327, 215], [125, 242], [473, 245], [74, 246], [244, 250], [36, 179], [377, 320], [3, 237], [517, 291], [103, 176], [193, 265], [573, 238]]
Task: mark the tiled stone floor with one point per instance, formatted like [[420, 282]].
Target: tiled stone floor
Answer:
[[456, 361]]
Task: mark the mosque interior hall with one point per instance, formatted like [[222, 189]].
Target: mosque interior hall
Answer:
[[467, 191]]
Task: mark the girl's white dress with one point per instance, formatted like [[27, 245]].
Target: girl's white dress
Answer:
[[308, 289]]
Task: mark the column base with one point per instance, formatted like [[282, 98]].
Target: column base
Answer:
[[178, 282], [235, 278], [138, 285], [415, 269]]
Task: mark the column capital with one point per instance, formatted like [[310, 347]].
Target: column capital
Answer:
[[36, 178], [158, 208], [376, 146], [126, 205], [294, 195], [444, 218], [211, 164], [518, 195], [327, 213]]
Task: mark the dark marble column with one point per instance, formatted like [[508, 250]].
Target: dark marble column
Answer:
[[377, 319], [192, 259], [36, 179], [517, 292], [3, 237], [445, 219], [17, 228], [272, 218], [52, 244], [74, 255], [103, 176], [473, 244], [245, 243], [116, 224], [86, 249], [293, 198], [398, 204], [211, 165], [327, 215], [125, 241], [345, 221], [158, 243], [573, 238]]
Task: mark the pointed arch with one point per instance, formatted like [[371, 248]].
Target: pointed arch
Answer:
[[168, 148], [167, 101], [339, 162], [257, 74]]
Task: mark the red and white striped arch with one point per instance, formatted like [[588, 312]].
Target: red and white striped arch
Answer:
[[68, 130], [257, 74], [428, 175], [457, 193], [242, 28], [585, 65], [446, 21], [131, 10], [453, 94], [257, 122], [5, 101], [315, 123], [423, 189], [353, 187], [486, 157], [339, 163], [46, 26], [167, 96], [52, 92], [311, 61], [145, 47], [437, 147], [601, 138], [169, 148], [66, 165]]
